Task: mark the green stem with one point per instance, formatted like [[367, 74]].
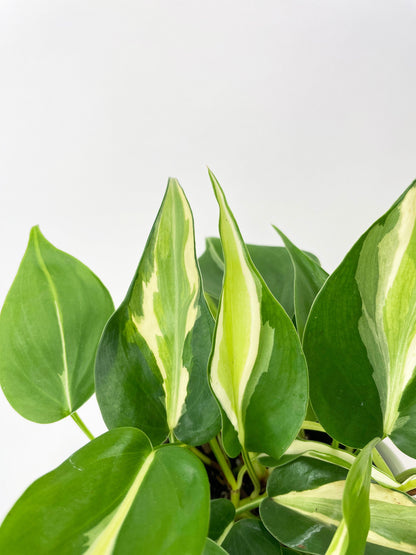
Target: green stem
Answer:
[[172, 438], [200, 455], [381, 463], [222, 461], [251, 473], [240, 476], [77, 419], [249, 504]]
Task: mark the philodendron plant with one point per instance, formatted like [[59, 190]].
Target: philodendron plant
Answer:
[[245, 394]]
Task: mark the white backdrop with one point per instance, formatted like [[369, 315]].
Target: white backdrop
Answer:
[[304, 109]]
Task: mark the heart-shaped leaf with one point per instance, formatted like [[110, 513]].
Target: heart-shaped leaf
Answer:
[[257, 369], [50, 326], [115, 495], [360, 338], [151, 368]]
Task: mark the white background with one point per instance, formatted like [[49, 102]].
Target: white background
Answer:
[[304, 109]]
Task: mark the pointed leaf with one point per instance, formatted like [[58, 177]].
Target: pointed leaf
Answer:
[[257, 368], [350, 537], [115, 495], [304, 509], [151, 368], [309, 278], [249, 537], [273, 263], [360, 338], [50, 326]]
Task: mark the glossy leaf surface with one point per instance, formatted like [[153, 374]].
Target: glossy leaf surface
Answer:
[[257, 369], [50, 326], [309, 278], [304, 509], [273, 263], [222, 512], [115, 495], [151, 369], [250, 537], [360, 339]]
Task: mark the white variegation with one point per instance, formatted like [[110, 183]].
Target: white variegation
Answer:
[[386, 279], [237, 335], [323, 505], [165, 332], [104, 536], [324, 452]]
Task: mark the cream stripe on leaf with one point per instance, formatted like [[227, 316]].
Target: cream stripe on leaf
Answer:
[[256, 361], [116, 495], [50, 326], [151, 368], [305, 508], [360, 338]]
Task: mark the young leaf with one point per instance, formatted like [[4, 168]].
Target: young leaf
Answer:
[[50, 326], [360, 338], [304, 509], [257, 368], [151, 368], [249, 536], [351, 535], [115, 495], [309, 278]]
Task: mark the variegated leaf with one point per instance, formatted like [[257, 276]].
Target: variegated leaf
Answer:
[[151, 369], [360, 339], [304, 509], [273, 263], [350, 537], [324, 452], [309, 278], [116, 495], [257, 368]]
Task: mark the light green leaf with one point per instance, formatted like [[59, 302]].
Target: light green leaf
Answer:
[[115, 495], [309, 278], [257, 369], [304, 509], [350, 537], [50, 326], [151, 368], [360, 338]]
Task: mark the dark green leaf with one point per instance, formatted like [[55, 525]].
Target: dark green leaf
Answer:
[[221, 514], [250, 537]]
